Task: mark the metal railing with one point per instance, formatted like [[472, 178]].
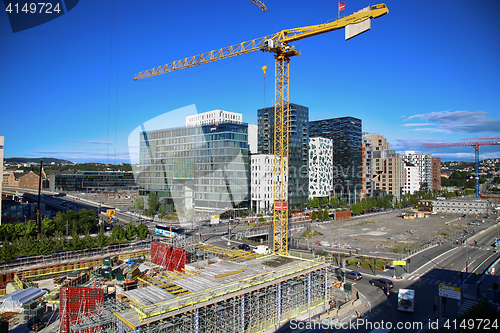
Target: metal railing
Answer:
[[73, 256]]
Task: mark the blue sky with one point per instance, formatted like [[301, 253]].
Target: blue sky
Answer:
[[429, 71]]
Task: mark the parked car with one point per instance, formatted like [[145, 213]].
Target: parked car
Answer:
[[244, 247], [353, 275], [473, 223], [382, 283]]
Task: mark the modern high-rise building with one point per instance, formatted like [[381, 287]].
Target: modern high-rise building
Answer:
[[202, 167], [1, 173], [346, 136], [367, 168], [423, 162], [298, 162], [262, 170], [389, 169], [390, 173], [436, 174], [320, 167]]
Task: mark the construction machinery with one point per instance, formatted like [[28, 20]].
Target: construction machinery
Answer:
[[474, 144], [279, 44]]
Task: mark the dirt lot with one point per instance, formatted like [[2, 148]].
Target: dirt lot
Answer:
[[389, 232]]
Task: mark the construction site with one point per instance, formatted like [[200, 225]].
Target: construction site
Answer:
[[183, 286], [177, 286]]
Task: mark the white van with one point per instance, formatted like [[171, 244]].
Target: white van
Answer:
[[406, 300], [261, 249]]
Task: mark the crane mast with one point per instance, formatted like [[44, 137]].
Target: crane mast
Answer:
[[278, 44]]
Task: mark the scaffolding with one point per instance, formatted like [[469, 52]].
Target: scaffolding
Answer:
[[248, 311], [228, 254], [77, 304], [216, 296]]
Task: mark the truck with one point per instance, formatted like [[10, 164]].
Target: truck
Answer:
[[215, 219], [406, 300]]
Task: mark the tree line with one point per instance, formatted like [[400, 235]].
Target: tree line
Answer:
[[24, 239]]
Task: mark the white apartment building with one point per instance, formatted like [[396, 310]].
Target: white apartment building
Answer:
[[423, 162], [253, 139], [320, 167], [262, 190], [412, 183], [213, 117]]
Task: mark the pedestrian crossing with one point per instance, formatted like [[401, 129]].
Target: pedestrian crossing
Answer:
[[467, 305], [433, 281]]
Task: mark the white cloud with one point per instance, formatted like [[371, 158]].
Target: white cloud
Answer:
[[456, 122]]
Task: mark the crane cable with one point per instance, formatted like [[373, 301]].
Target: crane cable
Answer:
[[109, 85], [118, 73]]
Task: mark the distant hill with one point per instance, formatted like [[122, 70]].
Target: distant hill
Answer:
[[46, 160]]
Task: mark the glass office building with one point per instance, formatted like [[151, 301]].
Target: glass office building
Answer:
[[204, 167], [298, 178], [346, 136], [93, 181]]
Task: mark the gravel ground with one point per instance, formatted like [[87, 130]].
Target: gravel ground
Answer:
[[388, 232]]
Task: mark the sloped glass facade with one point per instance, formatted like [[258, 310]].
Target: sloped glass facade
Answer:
[[203, 167]]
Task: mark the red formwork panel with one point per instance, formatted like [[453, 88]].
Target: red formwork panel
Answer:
[[173, 259], [76, 302]]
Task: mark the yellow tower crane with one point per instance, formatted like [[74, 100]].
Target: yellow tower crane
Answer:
[[279, 44]]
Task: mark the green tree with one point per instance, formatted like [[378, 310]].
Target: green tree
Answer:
[[314, 216], [87, 220], [326, 215], [118, 233], [7, 252], [309, 203], [142, 231], [7, 231], [139, 202], [324, 202], [320, 214], [101, 240], [48, 226], [130, 230], [44, 245], [31, 228], [357, 208], [88, 242], [334, 201], [75, 243], [153, 203], [315, 202], [60, 241], [19, 230], [24, 245]]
